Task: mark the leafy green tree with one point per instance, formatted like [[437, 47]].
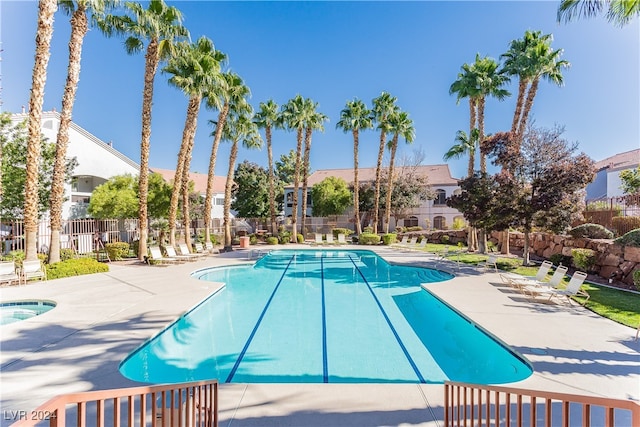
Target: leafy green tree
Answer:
[[409, 191], [118, 198], [355, 117], [619, 12], [250, 191], [330, 197], [630, 181], [13, 143], [286, 167]]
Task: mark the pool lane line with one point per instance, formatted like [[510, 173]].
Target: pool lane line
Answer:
[[325, 363], [255, 328], [393, 330]]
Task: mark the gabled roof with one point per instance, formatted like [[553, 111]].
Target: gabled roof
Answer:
[[620, 161], [199, 180], [108, 147], [437, 174]]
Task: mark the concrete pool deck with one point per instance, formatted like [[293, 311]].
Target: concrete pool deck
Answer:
[[101, 318]]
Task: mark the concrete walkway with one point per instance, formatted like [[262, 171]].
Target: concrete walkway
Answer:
[[100, 319]]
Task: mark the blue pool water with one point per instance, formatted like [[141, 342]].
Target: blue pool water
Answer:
[[323, 316], [14, 311]]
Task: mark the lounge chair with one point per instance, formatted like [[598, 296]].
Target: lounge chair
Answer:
[[199, 249], [171, 253], [342, 239], [573, 288], [212, 249], [531, 286], [511, 278], [419, 246], [184, 250], [402, 242], [156, 255], [329, 237], [33, 270], [8, 273], [491, 261], [318, 240]]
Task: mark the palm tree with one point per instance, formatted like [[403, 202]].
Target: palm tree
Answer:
[[314, 121], [355, 117], [293, 117], [267, 119], [194, 68], [160, 26], [78, 10], [239, 127], [46, 10], [465, 145], [619, 12], [383, 106], [399, 125], [229, 92]]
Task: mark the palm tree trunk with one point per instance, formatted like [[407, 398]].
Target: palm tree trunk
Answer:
[[227, 196], [296, 185], [192, 121], [356, 184], [208, 200], [522, 87], [151, 65], [376, 196], [472, 125], [387, 210], [525, 249], [483, 158], [188, 132], [533, 89], [305, 179], [272, 192], [46, 10], [79, 28]]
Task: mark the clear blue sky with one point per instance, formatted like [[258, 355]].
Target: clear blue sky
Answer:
[[333, 52]]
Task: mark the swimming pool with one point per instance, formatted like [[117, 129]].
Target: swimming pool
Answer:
[[319, 316], [14, 311]]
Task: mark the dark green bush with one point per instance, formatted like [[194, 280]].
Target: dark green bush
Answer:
[[591, 231], [632, 238], [253, 239], [414, 228], [584, 259], [389, 239], [367, 229], [344, 231], [368, 239], [636, 279], [558, 259], [66, 254], [117, 250], [271, 240], [75, 267], [300, 238], [444, 239]]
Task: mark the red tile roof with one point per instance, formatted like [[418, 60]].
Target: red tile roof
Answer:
[[199, 179]]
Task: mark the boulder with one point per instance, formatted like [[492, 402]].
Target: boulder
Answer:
[[631, 253]]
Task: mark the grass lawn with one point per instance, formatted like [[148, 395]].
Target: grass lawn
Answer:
[[615, 304]]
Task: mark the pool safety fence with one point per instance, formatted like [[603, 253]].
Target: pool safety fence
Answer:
[[192, 404], [479, 405]]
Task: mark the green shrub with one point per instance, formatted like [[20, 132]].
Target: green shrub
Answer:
[[368, 229], [300, 238], [632, 238], [117, 250], [444, 239], [75, 267], [591, 231], [284, 236], [272, 240], [17, 256], [389, 238], [620, 224], [414, 228], [458, 224], [368, 239], [344, 231], [584, 259], [559, 259], [253, 239], [401, 230], [66, 254], [636, 279]]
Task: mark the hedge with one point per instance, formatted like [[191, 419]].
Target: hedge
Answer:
[[75, 267], [368, 239]]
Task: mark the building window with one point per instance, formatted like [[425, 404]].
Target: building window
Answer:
[[289, 199], [441, 197], [439, 223], [80, 199], [219, 201], [412, 221]]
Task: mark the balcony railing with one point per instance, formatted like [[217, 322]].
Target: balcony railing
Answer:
[[478, 405], [193, 404]]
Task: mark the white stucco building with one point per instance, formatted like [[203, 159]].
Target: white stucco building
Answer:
[[607, 182], [97, 162], [430, 214]]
